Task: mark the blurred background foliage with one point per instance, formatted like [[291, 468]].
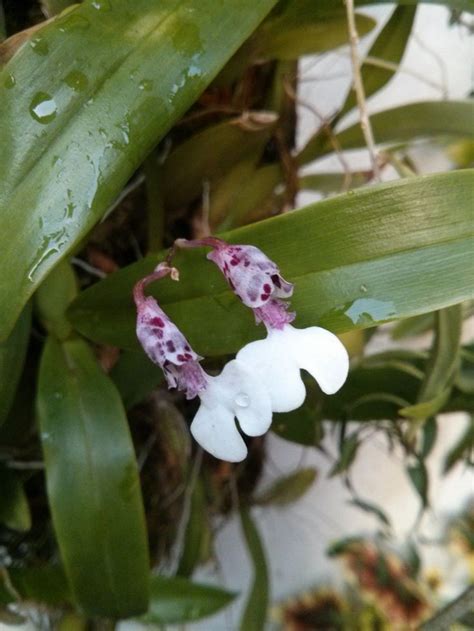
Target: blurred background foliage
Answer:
[[125, 125]]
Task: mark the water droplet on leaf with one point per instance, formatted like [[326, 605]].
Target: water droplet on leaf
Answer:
[[43, 108], [363, 288], [76, 80], [146, 85], [9, 82], [40, 46]]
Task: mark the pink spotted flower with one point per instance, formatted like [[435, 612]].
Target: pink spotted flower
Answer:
[[233, 394], [279, 358]]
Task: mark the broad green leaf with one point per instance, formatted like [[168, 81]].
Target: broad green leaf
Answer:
[[359, 259], [305, 27], [255, 612], [135, 376], [192, 164], [12, 357], [45, 584], [332, 182], [92, 93], [92, 482], [14, 509], [407, 123], [288, 489], [54, 296], [390, 47], [303, 426], [177, 600]]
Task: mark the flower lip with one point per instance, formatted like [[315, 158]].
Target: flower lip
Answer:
[[164, 343]]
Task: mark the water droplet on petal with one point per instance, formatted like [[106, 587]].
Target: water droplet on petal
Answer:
[[43, 108], [242, 400]]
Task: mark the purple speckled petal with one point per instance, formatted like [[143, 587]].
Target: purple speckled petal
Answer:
[[164, 343]]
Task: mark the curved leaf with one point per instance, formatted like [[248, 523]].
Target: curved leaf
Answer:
[[370, 256], [92, 482], [407, 123], [14, 509], [92, 93], [255, 613], [178, 600]]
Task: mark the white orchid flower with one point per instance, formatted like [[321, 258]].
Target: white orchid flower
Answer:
[[235, 393]]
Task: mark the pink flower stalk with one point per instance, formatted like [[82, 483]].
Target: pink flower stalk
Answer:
[[253, 277], [163, 342]]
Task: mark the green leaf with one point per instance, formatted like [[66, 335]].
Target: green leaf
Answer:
[[135, 376], [288, 488], [43, 584], [377, 254], [305, 27], [462, 5], [255, 613], [197, 531], [348, 452], [92, 482], [12, 357], [430, 433], [14, 509], [178, 600], [92, 96], [464, 448], [368, 507], [413, 326], [407, 123], [390, 47], [418, 475], [302, 426], [54, 296], [53, 7], [191, 163], [442, 366]]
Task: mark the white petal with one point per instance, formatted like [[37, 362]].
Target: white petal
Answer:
[[322, 354], [240, 390], [272, 361], [215, 430]]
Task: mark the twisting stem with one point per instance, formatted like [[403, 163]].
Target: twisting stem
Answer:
[[359, 87], [162, 270]]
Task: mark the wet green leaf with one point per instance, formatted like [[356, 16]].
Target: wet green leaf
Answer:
[[178, 600], [255, 612], [288, 489], [14, 509], [407, 253], [12, 357], [92, 97], [92, 482]]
